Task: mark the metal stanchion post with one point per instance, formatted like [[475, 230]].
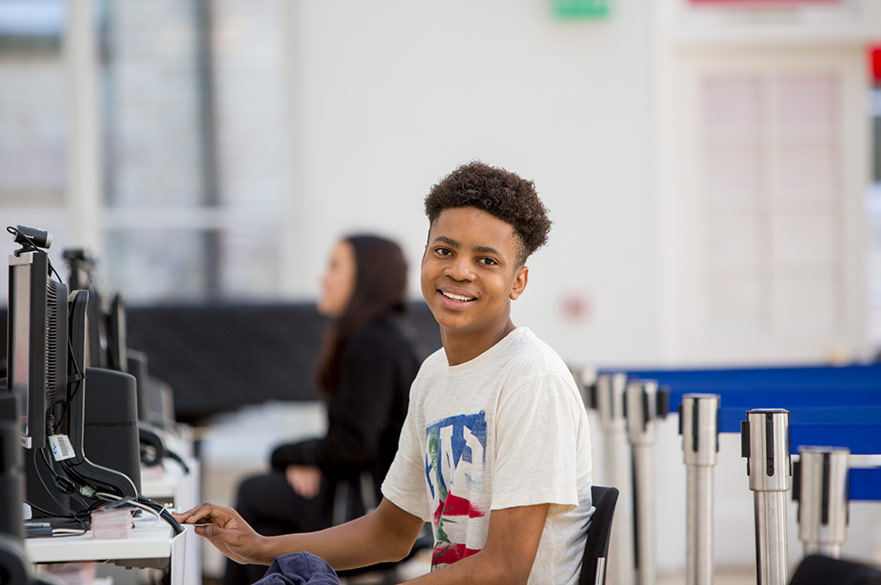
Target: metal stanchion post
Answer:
[[586, 378], [821, 491], [643, 408], [699, 427], [765, 444], [616, 454]]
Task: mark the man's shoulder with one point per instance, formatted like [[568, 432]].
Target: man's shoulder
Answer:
[[530, 352], [436, 361]]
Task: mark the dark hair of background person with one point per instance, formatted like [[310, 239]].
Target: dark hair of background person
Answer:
[[500, 193], [380, 287]]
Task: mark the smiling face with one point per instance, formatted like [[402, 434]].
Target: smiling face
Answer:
[[470, 275]]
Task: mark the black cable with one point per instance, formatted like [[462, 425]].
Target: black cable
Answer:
[[43, 511], [163, 513], [77, 378], [171, 454], [51, 493], [65, 484]]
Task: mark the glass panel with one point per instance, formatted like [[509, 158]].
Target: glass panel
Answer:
[[156, 266], [807, 101], [732, 102], [733, 178], [32, 129], [805, 241], [250, 81], [809, 175], [249, 263], [734, 305], [809, 304], [732, 243], [151, 85]]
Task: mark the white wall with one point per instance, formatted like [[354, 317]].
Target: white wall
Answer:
[[392, 95]]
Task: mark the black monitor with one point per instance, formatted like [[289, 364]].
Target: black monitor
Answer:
[[81, 275], [46, 326], [37, 342], [117, 352], [113, 389], [107, 334]]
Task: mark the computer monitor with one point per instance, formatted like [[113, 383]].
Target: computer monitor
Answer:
[[117, 352], [107, 334], [46, 326], [82, 275], [112, 389], [37, 342]]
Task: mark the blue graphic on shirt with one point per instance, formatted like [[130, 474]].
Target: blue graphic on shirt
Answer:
[[449, 438], [455, 454]]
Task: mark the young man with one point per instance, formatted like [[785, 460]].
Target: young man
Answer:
[[495, 451]]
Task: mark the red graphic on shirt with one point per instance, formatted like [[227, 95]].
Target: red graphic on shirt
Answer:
[[453, 507], [448, 554]]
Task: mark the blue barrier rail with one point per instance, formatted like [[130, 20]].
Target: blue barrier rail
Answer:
[[828, 406]]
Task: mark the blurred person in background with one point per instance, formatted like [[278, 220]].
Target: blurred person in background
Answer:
[[365, 367]]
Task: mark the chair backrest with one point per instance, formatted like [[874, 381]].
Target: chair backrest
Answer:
[[821, 570], [593, 563]]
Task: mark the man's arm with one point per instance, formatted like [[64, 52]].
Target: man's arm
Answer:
[[386, 534], [507, 557]]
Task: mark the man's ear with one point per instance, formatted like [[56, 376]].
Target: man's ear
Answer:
[[521, 278]]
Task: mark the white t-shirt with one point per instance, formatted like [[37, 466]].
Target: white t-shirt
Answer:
[[507, 428]]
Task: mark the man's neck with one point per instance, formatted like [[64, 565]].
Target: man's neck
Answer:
[[463, 346]]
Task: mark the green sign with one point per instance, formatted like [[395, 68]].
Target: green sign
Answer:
[[580, 8]]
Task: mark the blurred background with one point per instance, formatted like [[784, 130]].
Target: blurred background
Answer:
[[712, 167], [709, 165]]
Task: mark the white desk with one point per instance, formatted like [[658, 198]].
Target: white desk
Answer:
[[150, 545]]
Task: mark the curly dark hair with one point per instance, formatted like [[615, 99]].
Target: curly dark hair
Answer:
[[499, 192]]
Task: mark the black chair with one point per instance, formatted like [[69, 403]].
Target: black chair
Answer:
[[593, 563], [822, 570]]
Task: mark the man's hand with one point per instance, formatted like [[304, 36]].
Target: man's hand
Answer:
[[228, 532], [305, 479]]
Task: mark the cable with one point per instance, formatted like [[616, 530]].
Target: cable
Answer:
[[51, 493], [65, 484], [171, 454], [77, 378], [62, 532], [128, 502], [73, 516], [163, 512]]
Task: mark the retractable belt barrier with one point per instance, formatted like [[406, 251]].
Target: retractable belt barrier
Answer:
[[820, 487], [787, 411], [645, 404], [607, 397], [765, 440], [838, 406], [699, 427]]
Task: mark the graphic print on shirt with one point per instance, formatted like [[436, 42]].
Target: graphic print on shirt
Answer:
[[455, 465]]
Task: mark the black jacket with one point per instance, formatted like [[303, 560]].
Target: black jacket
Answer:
[[367, 411]]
